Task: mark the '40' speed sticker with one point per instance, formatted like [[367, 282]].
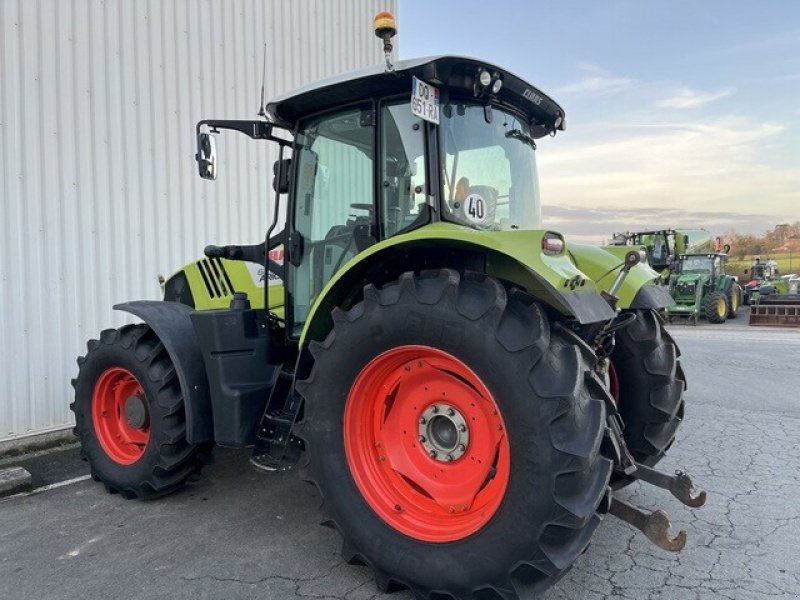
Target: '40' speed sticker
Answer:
[[475, 209]]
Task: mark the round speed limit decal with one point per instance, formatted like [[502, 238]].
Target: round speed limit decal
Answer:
[[475, 208]]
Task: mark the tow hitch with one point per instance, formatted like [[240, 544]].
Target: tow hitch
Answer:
[[655, 525]]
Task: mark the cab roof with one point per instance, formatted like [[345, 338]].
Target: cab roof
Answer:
[[454, 75]]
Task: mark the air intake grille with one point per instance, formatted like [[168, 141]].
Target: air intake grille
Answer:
[[218, 284]]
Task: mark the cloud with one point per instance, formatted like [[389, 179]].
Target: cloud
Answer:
[[595, 84], [595, 80], [689, 98], [716, 174]]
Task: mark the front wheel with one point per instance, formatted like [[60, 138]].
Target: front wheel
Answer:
[[445, 420], [130, 415], [716, 307]]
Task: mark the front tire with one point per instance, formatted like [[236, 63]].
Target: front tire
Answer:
[[523, 494], [716, 307], [130, 416]]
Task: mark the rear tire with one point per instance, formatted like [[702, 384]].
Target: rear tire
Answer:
[[716, 307], [734, 301], [651, 383], [551, 404], [133, 361]]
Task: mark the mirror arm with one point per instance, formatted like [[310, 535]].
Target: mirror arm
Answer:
[[258, 130]]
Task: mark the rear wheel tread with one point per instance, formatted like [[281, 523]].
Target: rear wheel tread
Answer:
[[576, 466]]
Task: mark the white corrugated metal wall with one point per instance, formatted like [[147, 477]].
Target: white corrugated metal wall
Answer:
[[99, 192]]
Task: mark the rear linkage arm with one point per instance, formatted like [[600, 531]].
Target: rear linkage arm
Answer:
[[656, 524]]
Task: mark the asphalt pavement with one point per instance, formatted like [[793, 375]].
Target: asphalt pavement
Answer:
[[239, 534]]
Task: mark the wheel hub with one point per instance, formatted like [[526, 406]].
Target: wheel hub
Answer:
[[443, 432], [136, 412]]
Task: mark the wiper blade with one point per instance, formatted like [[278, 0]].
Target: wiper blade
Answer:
[[523, 137]]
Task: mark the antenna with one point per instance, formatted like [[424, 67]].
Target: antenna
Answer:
[[262, 111]]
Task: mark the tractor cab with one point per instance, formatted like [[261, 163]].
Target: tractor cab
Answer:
[[377, 154]]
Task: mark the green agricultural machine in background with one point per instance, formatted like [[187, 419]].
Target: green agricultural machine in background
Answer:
[[463, 387], [701, 287], [760, 273], [663, 246]]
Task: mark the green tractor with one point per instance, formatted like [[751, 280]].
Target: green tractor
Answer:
[[701, 287], [662, 246], [464, 389]]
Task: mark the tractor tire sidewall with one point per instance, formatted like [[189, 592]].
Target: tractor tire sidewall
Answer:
[[734, 292], [167, 459], [540, 414], [651, 386], [711, 307]]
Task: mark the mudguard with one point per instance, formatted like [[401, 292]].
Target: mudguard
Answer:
[[171, 323], [602, 264], [512, 256]]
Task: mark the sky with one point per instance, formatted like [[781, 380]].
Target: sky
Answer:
[[679, 113]]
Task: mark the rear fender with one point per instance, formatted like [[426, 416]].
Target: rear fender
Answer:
[[511, 256], [603, 264], [171, 323]]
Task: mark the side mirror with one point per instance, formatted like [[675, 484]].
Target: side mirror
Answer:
[[206, 156], [285, 168]]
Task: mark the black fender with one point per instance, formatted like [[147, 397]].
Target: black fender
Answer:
[[652, 296], [171, 323]]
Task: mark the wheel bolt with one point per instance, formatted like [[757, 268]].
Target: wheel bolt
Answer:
[[449, 458], [422, 420], [462, 428], [461, 447], [423, 439], [451, 412], [433, 454], [434, 409]]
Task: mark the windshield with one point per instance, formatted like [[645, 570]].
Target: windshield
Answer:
[[697, 264], [488, 169]]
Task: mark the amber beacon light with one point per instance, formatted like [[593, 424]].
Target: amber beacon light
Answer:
[[386, 28]]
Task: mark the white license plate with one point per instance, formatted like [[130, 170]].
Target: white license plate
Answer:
[[425, 101]]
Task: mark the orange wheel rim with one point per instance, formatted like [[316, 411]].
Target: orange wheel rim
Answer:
[[123, 434], [613, 382], [426, 444]]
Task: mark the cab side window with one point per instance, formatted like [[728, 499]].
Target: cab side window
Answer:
[[334, 190]]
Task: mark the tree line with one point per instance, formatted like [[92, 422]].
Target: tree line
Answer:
[[783, 238]]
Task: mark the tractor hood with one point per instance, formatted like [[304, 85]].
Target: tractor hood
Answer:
[[455, 75]]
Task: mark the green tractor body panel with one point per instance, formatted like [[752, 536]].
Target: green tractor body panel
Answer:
[[513, 256], [688, 290], [210, 283], [602, 265]]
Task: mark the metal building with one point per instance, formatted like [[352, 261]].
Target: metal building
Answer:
[[98, 192]]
